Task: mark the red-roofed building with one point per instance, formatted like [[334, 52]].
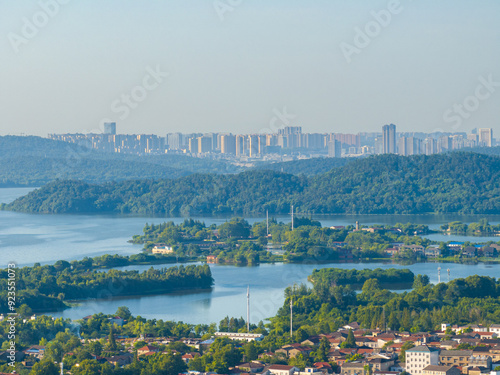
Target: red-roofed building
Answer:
[[147, 349]]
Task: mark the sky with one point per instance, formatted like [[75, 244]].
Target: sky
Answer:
[[248, 66]]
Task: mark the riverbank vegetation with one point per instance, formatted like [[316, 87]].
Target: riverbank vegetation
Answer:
[[49, 287], [480, 228]]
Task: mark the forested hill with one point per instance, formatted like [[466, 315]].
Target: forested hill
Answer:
[[307, 167], [35, 161], [384, 184]]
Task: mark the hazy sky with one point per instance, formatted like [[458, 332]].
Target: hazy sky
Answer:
[[238, 65]]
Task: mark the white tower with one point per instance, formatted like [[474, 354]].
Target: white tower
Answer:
[[248, 308]]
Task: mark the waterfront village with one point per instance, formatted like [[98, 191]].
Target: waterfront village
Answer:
[[407, 245], [351, 350]]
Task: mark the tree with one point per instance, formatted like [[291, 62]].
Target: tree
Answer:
[[95, 347], [111, 340], [323, 350], [420, 281], [251, 351], [87, 367], [45, 367], [123, 312], [350, 341], [407, 345]]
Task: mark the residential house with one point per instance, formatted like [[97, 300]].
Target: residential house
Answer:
[[189, 356], [489, 252], [36, 351], [432, 251], [251, 367], [381, 364], [495, 328], [283, 369], [147, 349], [211, 259], [121, 360], [480, 361], [354, 326], [469, 252], [324, 367], [162, 249], [455, 357], [440, 370], [355, 368]]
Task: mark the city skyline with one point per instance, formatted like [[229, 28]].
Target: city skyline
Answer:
[[249, 67], [289, 141]]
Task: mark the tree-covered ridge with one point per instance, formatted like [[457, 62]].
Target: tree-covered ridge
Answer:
[[38, 171], [327, 277], [45, 288], [35, 161], [384, 184], [307, 167]]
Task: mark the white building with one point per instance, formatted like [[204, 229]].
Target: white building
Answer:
[[162, 249], [420, 357], [495, 328], [240, 336]]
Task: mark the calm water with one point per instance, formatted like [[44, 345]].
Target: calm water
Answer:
[[27, 238]]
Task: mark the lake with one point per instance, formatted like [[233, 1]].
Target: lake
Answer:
[[29, 238]]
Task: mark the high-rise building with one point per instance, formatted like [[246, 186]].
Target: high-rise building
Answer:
[[290, 130], [253, 145], [110, 128], [262, 144], [175, 141], [389, 136], [402, 146], [193, 145], [228, 144], [240, 145], [334, 149], [486, 137], [430, 146], [205, 143]]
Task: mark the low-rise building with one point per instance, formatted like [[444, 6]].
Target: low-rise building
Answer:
[[240, 336], [455, 357], [283, 369], [355, 368], [162, 249], [440, 370]]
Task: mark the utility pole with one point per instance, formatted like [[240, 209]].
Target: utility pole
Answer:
[[248, 308], [267, 221], [292, 216], [291, 317]]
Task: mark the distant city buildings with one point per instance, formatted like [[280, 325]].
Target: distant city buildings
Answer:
[[389, 137], [287, 144], [110, 128]]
